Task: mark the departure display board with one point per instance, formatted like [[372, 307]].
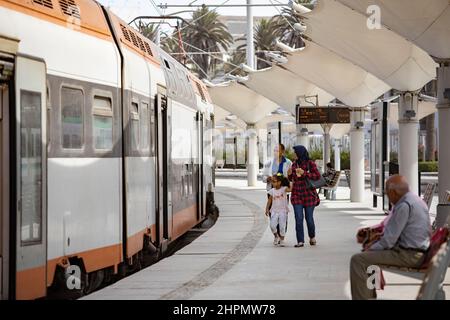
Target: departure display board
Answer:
[[319, 115]]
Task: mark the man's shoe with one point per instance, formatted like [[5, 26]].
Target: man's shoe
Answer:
[[275, 241], [299, 245], [312, 242], [281, 243]]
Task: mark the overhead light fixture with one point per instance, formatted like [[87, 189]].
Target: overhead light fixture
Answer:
[[359, 124], [299, 27], [208, 83], [298, 7], [278, 58], [231, 117], [236, 78], [284, 47], [425, 97], [247, 68], [409, 114]]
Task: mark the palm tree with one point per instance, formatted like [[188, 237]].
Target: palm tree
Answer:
[[430, 89], [286, 21], [265, 34], [430, 138], [237, 58], [148, 30], [206, 33], [171, 44]]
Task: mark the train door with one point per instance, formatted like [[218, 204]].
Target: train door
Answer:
[[30, 181], [201, 168], [164, 196], [5, 88]]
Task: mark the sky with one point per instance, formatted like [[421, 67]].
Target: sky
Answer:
[[128, 9]]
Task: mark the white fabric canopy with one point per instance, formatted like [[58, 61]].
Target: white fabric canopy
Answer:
[[220, 113], [262, 124], [339, 130], [425, 23], [241, 101], [384, 53], [283, 87], [349, 83]]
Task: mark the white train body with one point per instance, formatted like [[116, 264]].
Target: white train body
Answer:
[[122, 137]]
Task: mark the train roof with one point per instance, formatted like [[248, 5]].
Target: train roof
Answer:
[[81, 15], [87, 16]]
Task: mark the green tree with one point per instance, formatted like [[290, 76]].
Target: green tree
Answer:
[[237, 58], [148, 30], [206, 33], [264, 36], [285, 23], [170, 44], [266, 32]]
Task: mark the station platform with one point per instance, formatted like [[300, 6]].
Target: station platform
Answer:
[[236, 260]]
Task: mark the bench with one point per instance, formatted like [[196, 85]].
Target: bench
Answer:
[[432, 284], [347, 176], [428, 194], [220, 164], [331, 188], [432, 276], [442, 216]]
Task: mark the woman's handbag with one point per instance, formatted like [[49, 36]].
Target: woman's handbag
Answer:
[[316, 184]]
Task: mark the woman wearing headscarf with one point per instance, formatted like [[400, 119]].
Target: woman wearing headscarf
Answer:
[[303, 197]]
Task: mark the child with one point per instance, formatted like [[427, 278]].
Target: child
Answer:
[[277, 208]]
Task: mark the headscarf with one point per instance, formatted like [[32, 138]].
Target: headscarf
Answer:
[[302, 153]]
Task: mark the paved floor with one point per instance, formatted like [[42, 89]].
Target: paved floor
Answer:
[[235, 259]]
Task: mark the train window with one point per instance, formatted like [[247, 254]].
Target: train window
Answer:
[[30, 167], [49, 112], [72, 106], [102, 123], [191, 182], [167, 64], [134, 126], [182, 187], [180, 78], [145, 123]]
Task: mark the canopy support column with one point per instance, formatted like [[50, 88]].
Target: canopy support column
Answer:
[[409, 138], [253, 157], [326, 143], [357, 155], [302, 135], [443, 106], [337, 155]]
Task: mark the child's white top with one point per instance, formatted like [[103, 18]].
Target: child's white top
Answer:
[[279, 200]]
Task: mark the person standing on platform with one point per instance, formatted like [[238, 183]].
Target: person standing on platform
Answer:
[[304, 197], [329, 173], [278, 164], [277, 209]]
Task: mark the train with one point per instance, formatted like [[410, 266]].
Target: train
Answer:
[[105, 146]]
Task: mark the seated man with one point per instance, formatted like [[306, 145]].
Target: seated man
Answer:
[[329, 173], [405, 239]]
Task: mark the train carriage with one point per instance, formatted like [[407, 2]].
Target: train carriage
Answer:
[[103, 142]]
